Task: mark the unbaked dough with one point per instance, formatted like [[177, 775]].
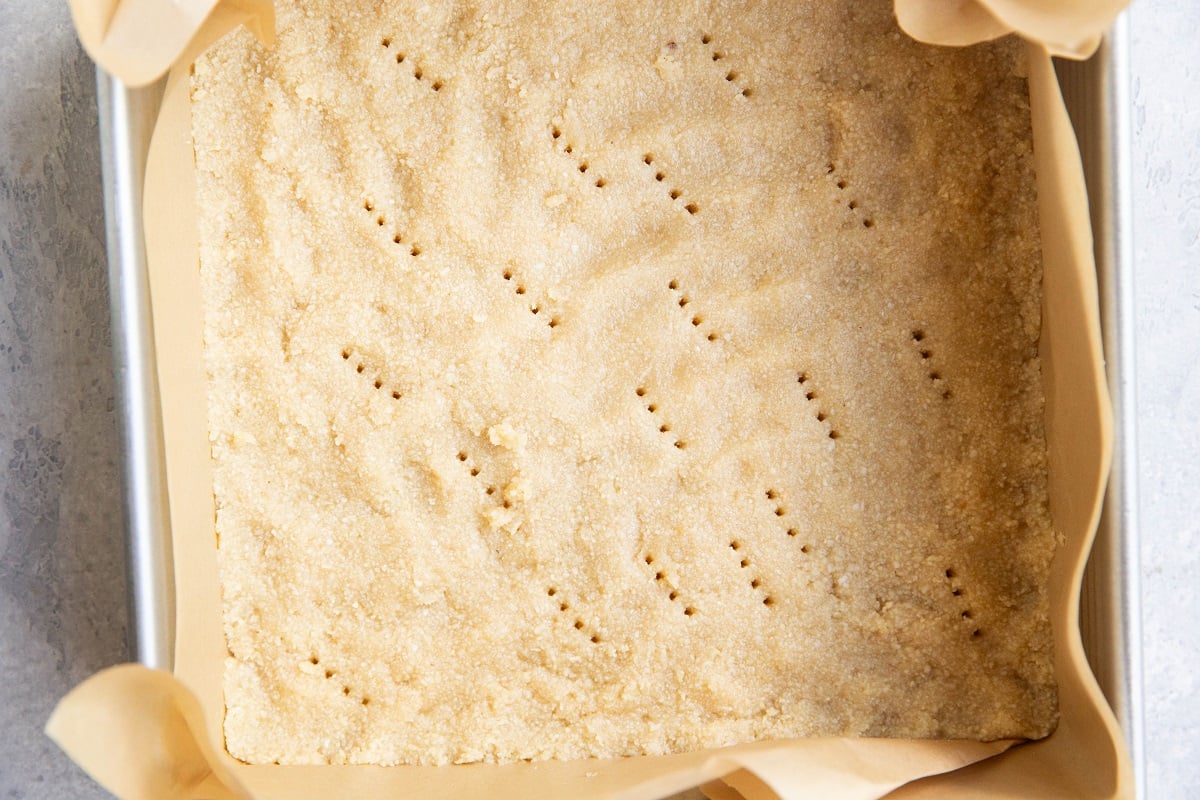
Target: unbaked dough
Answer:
[[595, 379]]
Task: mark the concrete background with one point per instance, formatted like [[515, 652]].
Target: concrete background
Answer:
[[62, 581]]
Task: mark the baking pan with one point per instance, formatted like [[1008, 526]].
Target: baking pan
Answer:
[[126, 122], [1097, 98], [1096, 93]]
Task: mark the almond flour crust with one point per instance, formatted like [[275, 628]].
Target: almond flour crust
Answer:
[[595, 379]]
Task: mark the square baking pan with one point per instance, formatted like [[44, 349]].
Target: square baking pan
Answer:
[[1096, 94]]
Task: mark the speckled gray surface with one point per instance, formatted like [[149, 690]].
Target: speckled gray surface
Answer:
[[1166, 197], [62, 586]]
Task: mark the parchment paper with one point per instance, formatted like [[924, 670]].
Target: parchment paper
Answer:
[[1070, 28], [146, 734], [138, 41]]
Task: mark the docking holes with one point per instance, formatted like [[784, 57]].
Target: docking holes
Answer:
[[847, 198], [536, 309], [667, 583], [582, 166], [720, 59], [565, 608], [361, 368], [684, 303], [664, 427], [954, 582], [405, 61], [675, 194], [781, 513], [468, 463], [397, 236], [814, 398], [313, 667], [925, 351], [749, 571]]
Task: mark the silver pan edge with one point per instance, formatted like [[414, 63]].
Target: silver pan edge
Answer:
[[1097, 97]]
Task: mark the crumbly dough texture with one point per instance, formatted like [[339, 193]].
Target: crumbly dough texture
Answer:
[[595, 379]]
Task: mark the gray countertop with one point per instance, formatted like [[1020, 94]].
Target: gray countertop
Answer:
[[62, 583]]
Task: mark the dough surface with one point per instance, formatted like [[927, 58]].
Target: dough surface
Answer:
[[594, 379]]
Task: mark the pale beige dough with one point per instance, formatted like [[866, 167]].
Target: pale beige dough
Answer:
[[594, 379]]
